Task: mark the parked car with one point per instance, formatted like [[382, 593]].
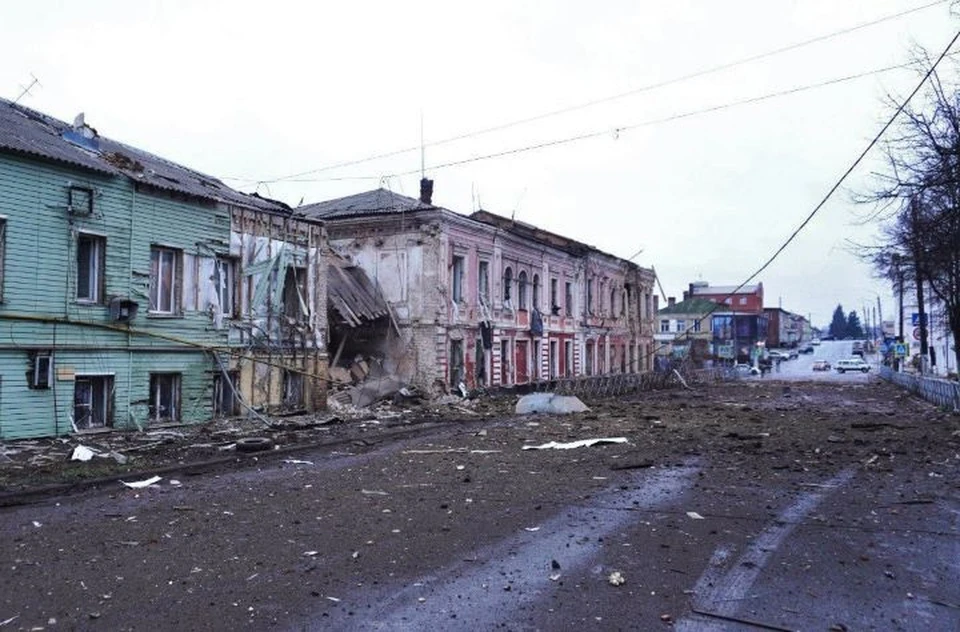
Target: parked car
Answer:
[[852, 364], [821, 365], [778, 355], [815, 342], [744, 370], [807, 349]]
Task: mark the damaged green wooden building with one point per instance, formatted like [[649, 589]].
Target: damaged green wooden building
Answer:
[[136, 292]]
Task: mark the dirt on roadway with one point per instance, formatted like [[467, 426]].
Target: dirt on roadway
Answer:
[[798, 506]]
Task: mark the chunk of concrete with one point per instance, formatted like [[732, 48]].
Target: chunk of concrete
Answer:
[[550, 403]]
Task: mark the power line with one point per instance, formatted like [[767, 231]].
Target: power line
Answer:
[[587, 104], [616, 131], [841, 180]]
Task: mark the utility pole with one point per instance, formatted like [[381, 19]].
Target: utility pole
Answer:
[[917, 255]]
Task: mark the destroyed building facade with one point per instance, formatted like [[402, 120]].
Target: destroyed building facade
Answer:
[[483, 300], [136, 292]]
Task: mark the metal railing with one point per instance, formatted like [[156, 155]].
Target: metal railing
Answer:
[[943, 393], [624, 383]]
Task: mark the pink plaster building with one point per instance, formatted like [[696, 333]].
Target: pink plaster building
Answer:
[[488, 301]]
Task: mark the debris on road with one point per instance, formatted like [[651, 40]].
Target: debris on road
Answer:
[[616, 578], [297, 462], [550, 403], [583, 443], [144, 483], [694, 515], [82, 453]]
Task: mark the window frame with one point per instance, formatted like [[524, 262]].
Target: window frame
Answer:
[[522, 290], [96, 268], [535, 293], [554, 296], [483, 282], [568, 298], [176, 281], [229, 264], [457, 268], [158, 381], [664, 326], [507, 283]]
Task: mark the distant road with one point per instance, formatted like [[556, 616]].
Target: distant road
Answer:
[[831, 351]]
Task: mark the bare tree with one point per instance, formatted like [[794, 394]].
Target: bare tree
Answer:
[[917, 201]]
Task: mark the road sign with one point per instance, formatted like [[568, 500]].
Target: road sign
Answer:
[[900, 350], [915, 319], [916, 333]]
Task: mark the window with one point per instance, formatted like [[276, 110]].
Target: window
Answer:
[[165, 397], [743, 300], [536, 292], [648, 302], [665, 326], [3, 249], [295, 293], [224, 280], [554, 299], [613, 301], [483, 282], [164, 280], [568, 358], [696, 324], [40, 373], [456, 281], [292, 389], [93, 401], [568, 298], [507, 282], [589, 296], [90, 265], [522, 290], [457, 372], [225, 403], [681, 325]]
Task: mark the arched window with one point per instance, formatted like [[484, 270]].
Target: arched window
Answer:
[[507, 284], [522, 290], [536, 291], [613, 301]]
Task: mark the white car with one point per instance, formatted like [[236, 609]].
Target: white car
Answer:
[[851, 364]]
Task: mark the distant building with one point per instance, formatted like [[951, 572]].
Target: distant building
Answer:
[[683, 329]]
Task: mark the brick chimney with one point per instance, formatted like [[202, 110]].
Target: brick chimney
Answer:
[[426, 191], [671, 301]]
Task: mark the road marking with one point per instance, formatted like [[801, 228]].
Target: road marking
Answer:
[[721, 592]]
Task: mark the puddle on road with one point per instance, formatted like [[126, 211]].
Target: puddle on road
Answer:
[[475, 592]]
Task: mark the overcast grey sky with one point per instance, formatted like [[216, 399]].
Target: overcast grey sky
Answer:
[[256, 91]]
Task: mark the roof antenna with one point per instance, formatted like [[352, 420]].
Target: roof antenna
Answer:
[[517, 205], [423, 168], [26, 89]]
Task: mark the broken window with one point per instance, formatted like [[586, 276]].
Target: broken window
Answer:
[[165, 266], [536, 292], [225, 402], [456, 281], [483, 282], [554, 359], [40, 373], [225, 281], [507, 283], [93, 401], [568, 298], [456, 363], [91, 255], [480, 363], [696, 324], [589, 296], [589, 354], [554, 299], [292, 389], [568, 358], [613, 301], [295, 293], [522, 290], [165, 397], [3, 250]]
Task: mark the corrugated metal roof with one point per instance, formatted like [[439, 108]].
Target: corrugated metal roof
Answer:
[[690, 306], [353, 295], [30, 132], [725, 289], [377, 202]]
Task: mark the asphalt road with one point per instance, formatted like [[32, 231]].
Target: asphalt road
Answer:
[[795, 507], [801, 368]]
